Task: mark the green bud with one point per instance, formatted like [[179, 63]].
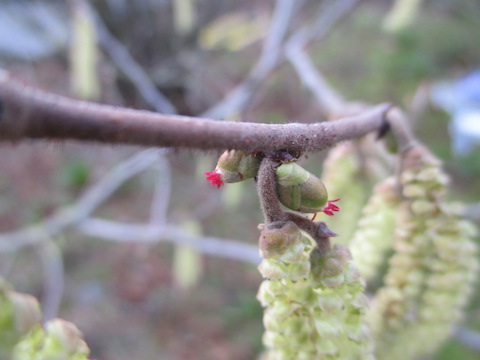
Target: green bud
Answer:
[[277, 237], [235, 166], [299, 189]]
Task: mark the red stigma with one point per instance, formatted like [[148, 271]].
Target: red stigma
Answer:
[[214, 178], [331, 208]]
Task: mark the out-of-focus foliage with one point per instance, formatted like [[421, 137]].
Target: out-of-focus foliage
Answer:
[[22, 337]]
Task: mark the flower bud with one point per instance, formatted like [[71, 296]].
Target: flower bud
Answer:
[[299, 189], [235, 166], [277, 237]]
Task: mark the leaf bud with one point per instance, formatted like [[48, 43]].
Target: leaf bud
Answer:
[[236, 165], [277, 237], [299, 189]]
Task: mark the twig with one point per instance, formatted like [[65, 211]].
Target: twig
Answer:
[[328, 15], [267, 192], [84, 206], [242, 93], [398, 123], [161, 197], [328, 98], [53, 280], [152, 234], [31, 113], [134, 72]]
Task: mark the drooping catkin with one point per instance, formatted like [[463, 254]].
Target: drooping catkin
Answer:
[[374, 235], [431, 274], [314, 302], [341, 176]]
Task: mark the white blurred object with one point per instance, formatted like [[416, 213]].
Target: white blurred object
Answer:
[[465, 131], [461, 99], [31, 30]]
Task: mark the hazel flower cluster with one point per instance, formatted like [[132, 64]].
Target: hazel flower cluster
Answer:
[[297, 188], [314, 302], [374, 234], [342, 177], [431, 273]]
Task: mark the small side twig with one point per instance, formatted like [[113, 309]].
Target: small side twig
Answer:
[[398, 124], [53, 278], [132, 70], [329, 15], [161, 197], [319, 231], [242, 93], [84, 206], [153, 234]]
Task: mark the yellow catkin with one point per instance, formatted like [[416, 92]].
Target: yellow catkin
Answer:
[[374, 235], [317, 311], [341, 176], [431, 274]]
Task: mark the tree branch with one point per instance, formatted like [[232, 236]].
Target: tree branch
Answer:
[[29, 113], [53, 278]]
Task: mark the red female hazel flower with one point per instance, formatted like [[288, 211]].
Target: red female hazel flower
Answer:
[[215, 178], [331, 208]]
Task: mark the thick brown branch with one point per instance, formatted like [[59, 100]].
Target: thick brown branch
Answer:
[[29, 113]]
